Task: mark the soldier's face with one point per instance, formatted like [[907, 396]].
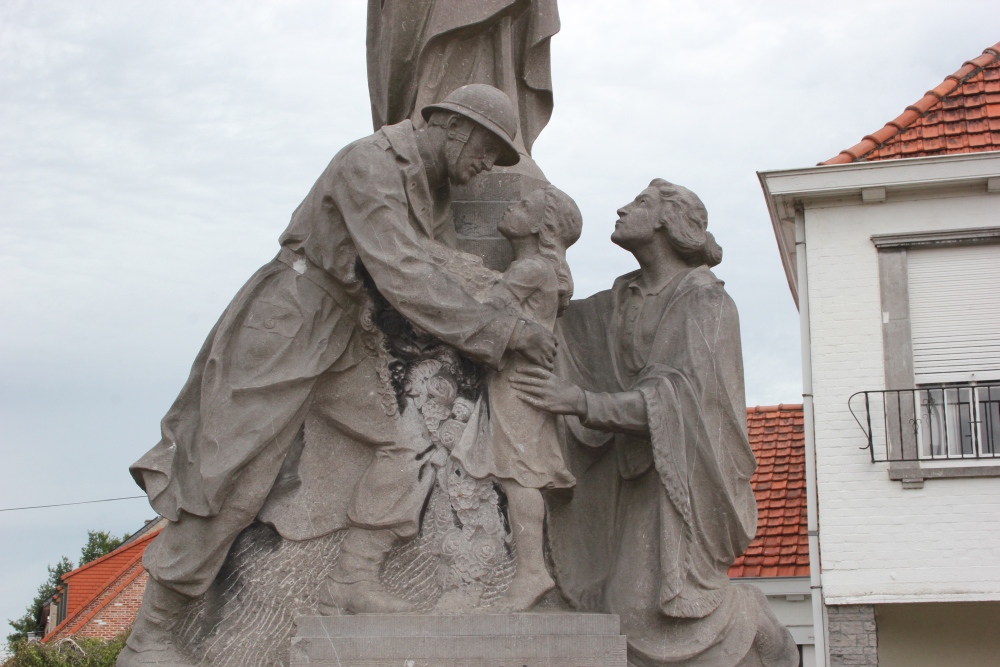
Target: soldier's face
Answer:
[[638, 220], [477, 155]]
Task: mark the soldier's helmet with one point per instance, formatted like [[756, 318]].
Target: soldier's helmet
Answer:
[[487, 106]]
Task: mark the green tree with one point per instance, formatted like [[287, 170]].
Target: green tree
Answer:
[[99, 543], [29, 622]]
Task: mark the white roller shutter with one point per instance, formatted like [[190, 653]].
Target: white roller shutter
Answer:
[[955, 313]]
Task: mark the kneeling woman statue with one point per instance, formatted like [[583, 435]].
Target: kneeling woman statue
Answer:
[[650, 379]]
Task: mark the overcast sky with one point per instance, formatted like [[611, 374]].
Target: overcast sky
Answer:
[[152, 152]]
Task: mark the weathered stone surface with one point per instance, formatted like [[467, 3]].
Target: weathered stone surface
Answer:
[[463, 625], [535, 640], [501, 185], [495, 251], [247, 617], [352, 439], [478, 220]]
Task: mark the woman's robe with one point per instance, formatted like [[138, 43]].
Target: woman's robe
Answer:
[[664, 505]]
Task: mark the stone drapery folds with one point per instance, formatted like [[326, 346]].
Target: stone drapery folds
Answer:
[[421, 50]]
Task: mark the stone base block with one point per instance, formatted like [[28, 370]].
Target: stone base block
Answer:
[[489, 640]]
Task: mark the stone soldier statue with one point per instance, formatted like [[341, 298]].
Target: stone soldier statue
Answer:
[[226, 436], [651, 382]]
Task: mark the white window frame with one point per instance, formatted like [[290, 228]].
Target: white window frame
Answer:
[[898, 354]]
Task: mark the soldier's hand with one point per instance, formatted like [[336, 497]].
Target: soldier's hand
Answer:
[[537, 344]]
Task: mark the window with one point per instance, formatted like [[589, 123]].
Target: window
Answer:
[[940, 296], [954, 295], [959, 422]]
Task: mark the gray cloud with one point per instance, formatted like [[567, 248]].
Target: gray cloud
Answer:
[[151, 153]]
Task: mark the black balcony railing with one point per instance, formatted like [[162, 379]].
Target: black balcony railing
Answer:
[[940, 423]]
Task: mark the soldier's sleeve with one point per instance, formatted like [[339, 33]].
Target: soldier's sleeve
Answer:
[[368, 190]]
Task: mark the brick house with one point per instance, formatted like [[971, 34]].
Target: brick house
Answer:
[[892, 253], [100, 599]]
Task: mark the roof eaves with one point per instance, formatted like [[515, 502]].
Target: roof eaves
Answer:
[[152, 524], [782, 407], [918, 109], [117, 552]]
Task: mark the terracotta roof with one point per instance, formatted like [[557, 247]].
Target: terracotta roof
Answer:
[[781, 548], [960, 115], [97, 578]]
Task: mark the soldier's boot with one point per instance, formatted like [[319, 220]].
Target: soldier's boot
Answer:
[[353, 586], [152, 640]]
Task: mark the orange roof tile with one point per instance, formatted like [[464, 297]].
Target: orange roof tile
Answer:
[[781, 547], [960, 115]]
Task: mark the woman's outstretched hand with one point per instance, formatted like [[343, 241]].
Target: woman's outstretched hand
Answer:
[[544, 390]]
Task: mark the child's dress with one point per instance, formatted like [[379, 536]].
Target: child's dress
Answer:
[[506, 437]]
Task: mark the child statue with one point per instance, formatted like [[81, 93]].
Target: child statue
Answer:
[[507, 438]]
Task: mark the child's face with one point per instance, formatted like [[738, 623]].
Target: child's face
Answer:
[[522, 218]]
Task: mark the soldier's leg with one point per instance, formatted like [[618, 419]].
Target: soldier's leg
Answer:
[[385, 508], [182, 562], [186, 556]]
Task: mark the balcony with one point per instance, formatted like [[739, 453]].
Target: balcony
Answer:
[[931, 424]]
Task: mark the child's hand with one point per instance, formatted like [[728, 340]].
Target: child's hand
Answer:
[[546, 391]]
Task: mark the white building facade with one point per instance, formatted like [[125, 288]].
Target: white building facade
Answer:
[[895, 265]]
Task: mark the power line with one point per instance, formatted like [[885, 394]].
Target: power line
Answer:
[[82, 502]]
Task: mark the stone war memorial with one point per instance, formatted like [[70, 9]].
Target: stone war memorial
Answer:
[[404, 443]]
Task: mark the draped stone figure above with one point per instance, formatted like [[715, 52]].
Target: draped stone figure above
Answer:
[[421, 50]]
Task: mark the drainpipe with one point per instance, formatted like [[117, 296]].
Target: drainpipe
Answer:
[[812, 504]]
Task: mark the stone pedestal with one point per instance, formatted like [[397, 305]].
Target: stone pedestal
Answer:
[[488, 640]]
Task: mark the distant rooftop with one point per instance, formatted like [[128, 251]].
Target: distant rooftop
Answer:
[[781, 547], [92, 587]]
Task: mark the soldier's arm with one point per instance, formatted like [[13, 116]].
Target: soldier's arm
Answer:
[[368, 190]]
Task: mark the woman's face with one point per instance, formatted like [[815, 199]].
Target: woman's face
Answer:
[[638, 220], [524, 217]]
